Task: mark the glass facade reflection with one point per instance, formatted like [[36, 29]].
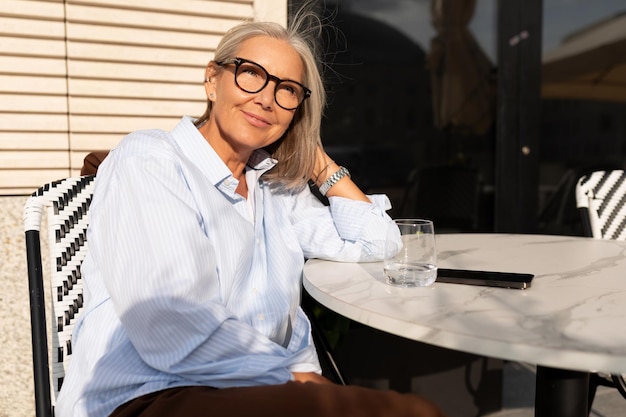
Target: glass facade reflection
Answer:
[[584, 101], [411, 86], [402, 98]]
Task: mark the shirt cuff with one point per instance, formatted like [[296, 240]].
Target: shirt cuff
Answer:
[[368, 216], [305, 367]]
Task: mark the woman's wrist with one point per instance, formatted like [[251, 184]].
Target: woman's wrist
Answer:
[[333, 179], [325, 172]]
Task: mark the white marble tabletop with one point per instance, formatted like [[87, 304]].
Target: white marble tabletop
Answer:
[[573, 316]]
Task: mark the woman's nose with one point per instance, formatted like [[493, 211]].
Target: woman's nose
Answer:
[[265, 97]]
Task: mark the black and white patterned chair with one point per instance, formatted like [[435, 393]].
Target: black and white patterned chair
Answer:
[[601, 201], [61, 206]]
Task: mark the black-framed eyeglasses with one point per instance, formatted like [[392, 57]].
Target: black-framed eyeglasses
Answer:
[[252, 78]]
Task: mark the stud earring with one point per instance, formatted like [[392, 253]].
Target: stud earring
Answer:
[[207, 80], [212, 96]]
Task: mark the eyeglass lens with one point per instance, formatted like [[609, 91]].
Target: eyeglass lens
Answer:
[[252, 78]]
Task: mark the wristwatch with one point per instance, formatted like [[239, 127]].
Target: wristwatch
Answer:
[[333, 179]]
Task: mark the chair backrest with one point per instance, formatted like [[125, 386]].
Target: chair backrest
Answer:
[[65, 205], [601, 200]]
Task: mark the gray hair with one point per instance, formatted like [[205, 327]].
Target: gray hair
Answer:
[[295, 150]]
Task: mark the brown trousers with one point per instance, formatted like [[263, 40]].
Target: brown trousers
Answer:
[[290, 399]]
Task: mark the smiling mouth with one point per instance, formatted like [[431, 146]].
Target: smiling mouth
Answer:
[[255, 120]]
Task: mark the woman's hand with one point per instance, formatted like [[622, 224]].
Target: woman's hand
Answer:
[[310, 377]]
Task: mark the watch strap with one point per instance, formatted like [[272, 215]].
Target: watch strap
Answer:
[[333, 179]]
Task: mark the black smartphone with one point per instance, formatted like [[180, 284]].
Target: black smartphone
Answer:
[[519, 281]]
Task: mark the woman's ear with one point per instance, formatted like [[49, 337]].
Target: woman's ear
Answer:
[[210, 81]]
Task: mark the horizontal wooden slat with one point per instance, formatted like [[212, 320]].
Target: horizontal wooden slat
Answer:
[[33, 84], [90, 142], [28, 180], [139, 72], [166, 21], [18, 191], [232, 8], [119, 124], [34, 159], [32, 47], [32, 28], [33, 140], [28, 65], [148, 37], [271, 11], [133, 89], [33, 122], [27, 9], [77, 159], [135, 54], [32, 103], [124, 107]]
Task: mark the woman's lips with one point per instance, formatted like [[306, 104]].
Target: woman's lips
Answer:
[[255, 120]]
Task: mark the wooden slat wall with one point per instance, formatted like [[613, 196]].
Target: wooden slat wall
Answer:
[[77, 75], [33, 94]]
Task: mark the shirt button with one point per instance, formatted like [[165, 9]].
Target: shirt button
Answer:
[[260, 317], [258, 241], [227, 182]]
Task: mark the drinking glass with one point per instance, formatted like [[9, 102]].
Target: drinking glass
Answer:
[[410, 253]]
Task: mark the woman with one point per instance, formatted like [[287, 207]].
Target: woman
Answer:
[[197, 241]]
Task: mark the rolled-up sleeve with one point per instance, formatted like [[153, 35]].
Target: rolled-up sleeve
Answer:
[[347, 230]]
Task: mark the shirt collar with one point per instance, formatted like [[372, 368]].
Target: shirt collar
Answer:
[[196, 148]]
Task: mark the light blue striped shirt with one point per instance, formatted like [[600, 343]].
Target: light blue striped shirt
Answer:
[[188, 283]]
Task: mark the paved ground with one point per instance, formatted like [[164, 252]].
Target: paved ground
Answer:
[[16, 388], [518, 395], [16, 374]]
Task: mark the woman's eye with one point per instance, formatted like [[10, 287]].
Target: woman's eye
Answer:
[[250, 71], [287, 88]]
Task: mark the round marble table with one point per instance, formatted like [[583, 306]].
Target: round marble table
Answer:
[[571, 321]]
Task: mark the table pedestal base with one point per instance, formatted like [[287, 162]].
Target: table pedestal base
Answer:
[[561, 393]]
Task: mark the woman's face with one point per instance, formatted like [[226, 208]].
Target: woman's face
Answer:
[[242, 121]]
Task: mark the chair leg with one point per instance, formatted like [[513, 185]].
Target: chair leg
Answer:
[[620, 384], [327, 361], [615, 381], [43, 400], [593, 387]]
